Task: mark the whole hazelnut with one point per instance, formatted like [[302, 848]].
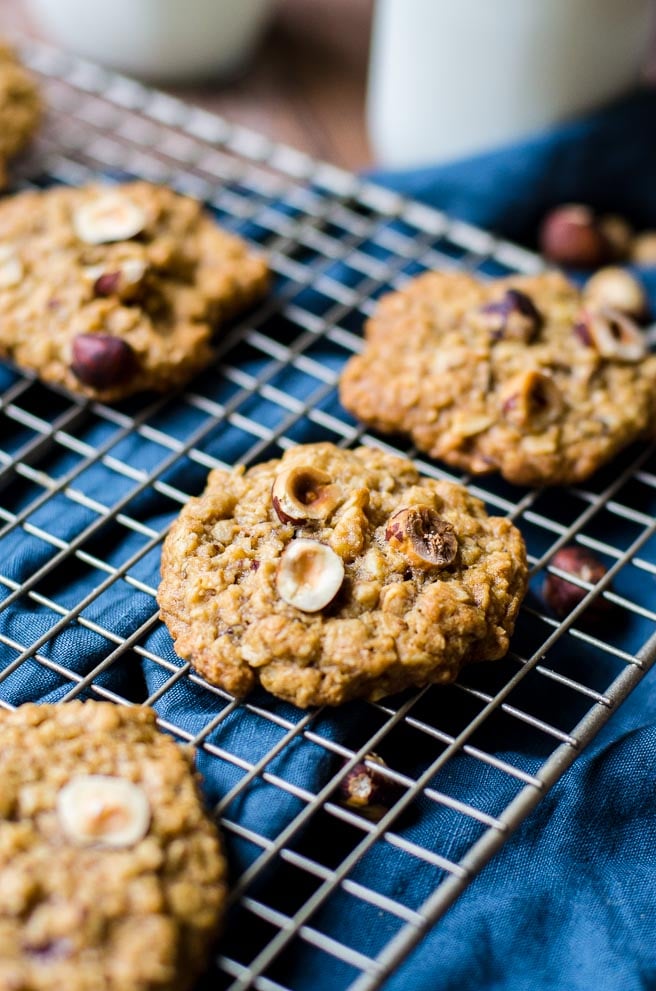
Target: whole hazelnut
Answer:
[[513, 317], [619, 235], [562, 596], [570, 235], [368, 791], [618, 289], [102, 361], [644, 249]]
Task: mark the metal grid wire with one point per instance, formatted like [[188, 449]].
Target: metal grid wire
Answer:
[[335, 244]]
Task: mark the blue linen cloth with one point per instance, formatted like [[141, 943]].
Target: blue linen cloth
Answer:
[[570, 902]]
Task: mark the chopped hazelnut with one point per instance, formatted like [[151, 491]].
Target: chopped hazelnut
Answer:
[[513, 317], [531, 399], [303, 493], [366, 790], [121, 280], [427, 540]]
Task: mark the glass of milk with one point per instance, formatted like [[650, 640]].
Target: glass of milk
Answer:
[[450, 78], [172, 40]]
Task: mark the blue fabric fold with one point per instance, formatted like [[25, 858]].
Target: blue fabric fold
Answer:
[[570, 901], [607, 160]]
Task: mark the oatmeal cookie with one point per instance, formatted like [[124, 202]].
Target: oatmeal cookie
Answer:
[[20, 108], [110, 290], [111, 873], [329, 575], [515, 375]]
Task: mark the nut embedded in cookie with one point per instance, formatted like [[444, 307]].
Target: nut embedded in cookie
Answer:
[[310, 575], [111, 871], [101, 810], [303, 493], [423, 536], [403, 581], [484, 384], [612, 333], [136, 264]]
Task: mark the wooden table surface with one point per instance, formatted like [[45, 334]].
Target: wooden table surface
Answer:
[[305, 86]]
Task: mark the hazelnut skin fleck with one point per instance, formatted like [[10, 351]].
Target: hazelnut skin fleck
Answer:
[[427, 540], [562, 596], [571, 235], [102, 361], [366, 790]]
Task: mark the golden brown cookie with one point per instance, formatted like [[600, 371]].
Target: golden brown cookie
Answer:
[[111, 873], [109, 290], [20, 108], [329, 575], [514, 375]]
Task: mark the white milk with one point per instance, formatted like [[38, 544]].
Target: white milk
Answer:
[[453, 77], [161, 39]]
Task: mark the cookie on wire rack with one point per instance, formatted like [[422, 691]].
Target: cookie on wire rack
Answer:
[[330, 575], [111, 290], [111, 873], [20, 108], [516, 375]]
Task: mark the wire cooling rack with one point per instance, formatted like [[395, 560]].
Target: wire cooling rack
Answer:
[[335, 243]]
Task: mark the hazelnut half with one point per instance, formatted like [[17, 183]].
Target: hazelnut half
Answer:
[[303, 493], [531, 399], [514, 317], [11, 267], [102, 810], [562, 596], [121, 280], [571, 235], [107, 218], [366, 790], [618, 289], [612, 334], [310, 575], [419, 532], [102, 361]]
